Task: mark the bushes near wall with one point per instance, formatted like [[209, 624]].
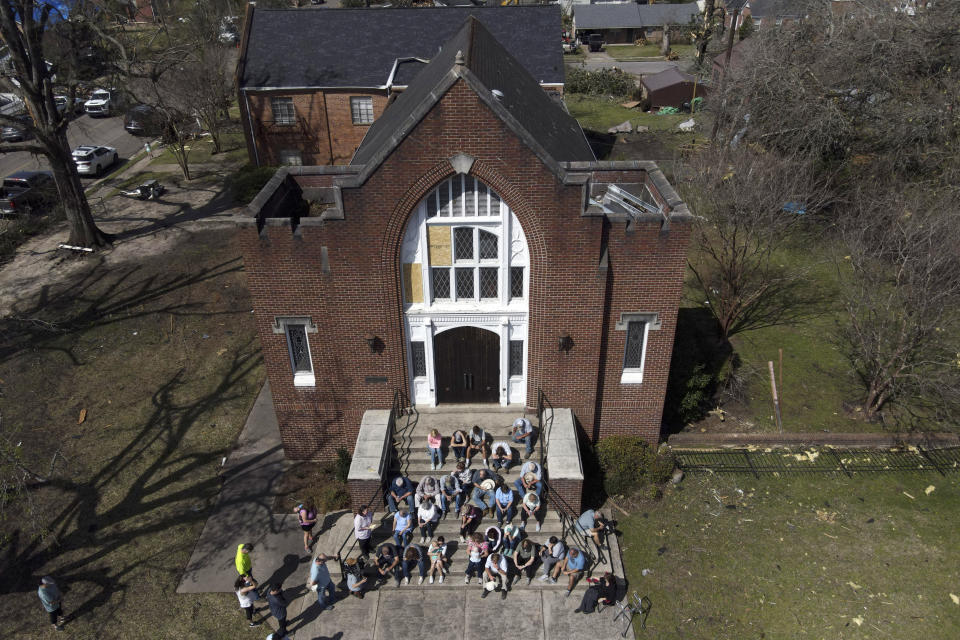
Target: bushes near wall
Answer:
[[245, 183], [628, 463], [603, 82]]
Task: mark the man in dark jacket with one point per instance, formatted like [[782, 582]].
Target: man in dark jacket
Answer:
[[278, 607], [604, 589]]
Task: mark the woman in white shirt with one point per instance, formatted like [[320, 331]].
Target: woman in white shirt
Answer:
[[246, 590], [427, 516], [362, 526]]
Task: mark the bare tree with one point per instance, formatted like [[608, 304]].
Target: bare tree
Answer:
[[706, 30], [748, 206], [23, 25], [901, 292]]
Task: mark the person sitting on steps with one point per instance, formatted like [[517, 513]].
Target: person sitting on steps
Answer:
[[458, 443], [502, 455], [478, 442], [522, 433]]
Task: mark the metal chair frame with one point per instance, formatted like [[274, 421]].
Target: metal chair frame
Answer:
[[637, 604]]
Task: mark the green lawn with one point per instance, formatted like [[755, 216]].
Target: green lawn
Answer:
[[629, 51], [599, 114], [799, 557], [201, 150]]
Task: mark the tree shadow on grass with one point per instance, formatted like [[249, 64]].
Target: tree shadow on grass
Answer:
[[98, 298], [94, 522]]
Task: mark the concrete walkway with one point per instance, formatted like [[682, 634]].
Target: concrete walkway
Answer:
[[244, 513]]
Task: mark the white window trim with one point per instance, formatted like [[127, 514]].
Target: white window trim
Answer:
[[634, 375], [280, 324], [293, 111], [358, 116]]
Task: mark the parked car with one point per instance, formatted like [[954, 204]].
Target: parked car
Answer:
[[11, 104], [15, 132], [63, 105], [93, 160], [143, 120], [595, 41], [103, 102], [27, 192]]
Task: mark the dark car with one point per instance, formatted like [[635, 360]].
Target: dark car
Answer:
[[143, 120], [595, 42], [27, 192], [15, 132]]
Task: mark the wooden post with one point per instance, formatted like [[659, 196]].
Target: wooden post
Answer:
[[776, 402]]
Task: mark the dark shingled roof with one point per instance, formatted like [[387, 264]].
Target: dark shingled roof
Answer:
[[666, 78], [358, 47], [631, 15], [524, 106]]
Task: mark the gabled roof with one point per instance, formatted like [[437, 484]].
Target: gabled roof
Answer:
[[763, 9], [357, 48], [632, 16], [474, 55], [666, 78]]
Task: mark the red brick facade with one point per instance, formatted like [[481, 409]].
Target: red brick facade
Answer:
[[323, 132], [585, 271]]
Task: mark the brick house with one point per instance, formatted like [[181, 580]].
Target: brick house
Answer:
[[311, 82], [764, 13], [473, 251]]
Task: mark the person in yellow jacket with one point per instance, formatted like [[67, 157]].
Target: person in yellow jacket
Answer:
[[243, 561]]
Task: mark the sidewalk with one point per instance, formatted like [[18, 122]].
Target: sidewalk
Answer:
[[243, 513]]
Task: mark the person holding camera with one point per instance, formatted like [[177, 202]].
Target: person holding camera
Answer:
[[592, 523]]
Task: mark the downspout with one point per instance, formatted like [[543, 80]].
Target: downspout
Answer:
[[393, 71], [253, 137]]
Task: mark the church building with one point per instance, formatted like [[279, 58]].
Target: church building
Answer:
[[472, 252]]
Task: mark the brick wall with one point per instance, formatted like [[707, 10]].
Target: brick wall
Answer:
[[362, 293], [324, 132], [363, 492], [571, 491]]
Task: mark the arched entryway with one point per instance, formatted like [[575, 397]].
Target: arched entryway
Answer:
[[467, 365]]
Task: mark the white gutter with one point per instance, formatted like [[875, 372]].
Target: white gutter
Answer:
[[393, 71]]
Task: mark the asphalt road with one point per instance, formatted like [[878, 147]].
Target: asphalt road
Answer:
[[634, 68], [82, 130]]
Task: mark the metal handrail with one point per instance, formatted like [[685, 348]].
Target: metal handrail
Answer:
[[568, 520], [396, 410], [544, 423]]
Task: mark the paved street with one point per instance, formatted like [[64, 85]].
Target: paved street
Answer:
[[596, 61], [82, 130]]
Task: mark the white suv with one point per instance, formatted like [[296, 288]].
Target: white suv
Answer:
[[102, 102], [93, 160]]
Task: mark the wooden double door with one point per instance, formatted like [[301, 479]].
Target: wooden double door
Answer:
[[467, 365]]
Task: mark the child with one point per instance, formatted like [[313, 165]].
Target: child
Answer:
[[438, 558], [477, 552], [433, 447]]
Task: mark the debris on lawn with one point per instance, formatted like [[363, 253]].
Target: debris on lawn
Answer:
[[955, 598], [83, 416], [908, 495], [687, 125], [929, 489], [858, 621], [854, 585], [623, 127]]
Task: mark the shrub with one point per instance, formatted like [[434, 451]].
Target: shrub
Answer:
[[245, 183], [603, 82], [629, 463], [331, 497]]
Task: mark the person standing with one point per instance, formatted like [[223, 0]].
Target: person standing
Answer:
[[278, 608], [307, 515], [320, 578], [243, 560], [246, 590], [435, 449], [356, 581], [362, 526], [523, 434], [52, 601]]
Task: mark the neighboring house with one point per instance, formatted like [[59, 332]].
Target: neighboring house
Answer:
[[472, 251], [626, 23], [739, 54], [311, 83], [670, 88], [765, 13]]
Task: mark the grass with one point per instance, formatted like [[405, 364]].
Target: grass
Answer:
[[630, 52], [599, 114], [798, 557], [161, 356], [201, 150]]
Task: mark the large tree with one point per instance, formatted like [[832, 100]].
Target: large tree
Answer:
[[23, 29]]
